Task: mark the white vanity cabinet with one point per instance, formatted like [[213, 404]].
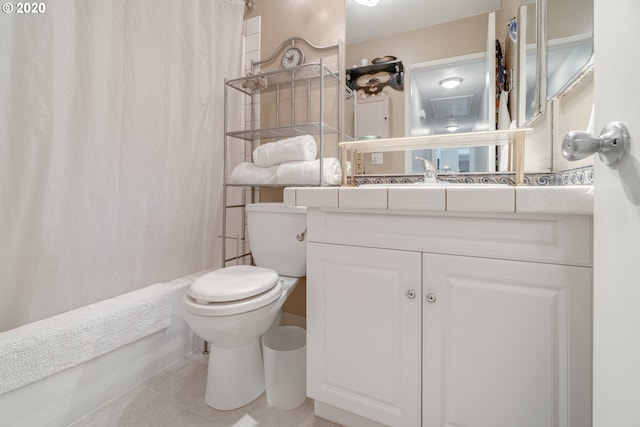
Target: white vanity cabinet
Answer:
[[440, 320], [364, 331], [506, 343]]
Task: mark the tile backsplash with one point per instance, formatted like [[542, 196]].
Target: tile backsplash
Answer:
[[578, 176]]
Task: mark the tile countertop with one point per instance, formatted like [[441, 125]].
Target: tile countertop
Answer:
[[565, 199]]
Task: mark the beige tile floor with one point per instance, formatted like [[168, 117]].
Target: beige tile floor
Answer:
[[175, 397]]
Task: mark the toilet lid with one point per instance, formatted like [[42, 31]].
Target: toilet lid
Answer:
[[232, 284]]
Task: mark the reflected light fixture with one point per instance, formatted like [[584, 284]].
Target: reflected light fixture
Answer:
[[452, 127], [370, 3], [451, 82]]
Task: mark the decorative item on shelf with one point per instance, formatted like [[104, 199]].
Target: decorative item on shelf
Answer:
[[372, 83], [383, 59], [512, 27], [250, 5], [256, 83], [292, 57], [383, 71]]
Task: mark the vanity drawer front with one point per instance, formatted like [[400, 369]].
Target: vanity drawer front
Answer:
[[557, 239]]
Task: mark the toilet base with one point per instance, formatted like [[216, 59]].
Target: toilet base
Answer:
[[235, 376]]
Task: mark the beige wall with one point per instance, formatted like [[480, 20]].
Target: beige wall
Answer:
[[322, 23], [508, 10]]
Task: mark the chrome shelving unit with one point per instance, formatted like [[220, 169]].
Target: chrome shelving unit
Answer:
[[296, 99]]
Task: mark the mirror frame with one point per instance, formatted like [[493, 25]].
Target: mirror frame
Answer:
[[542, 97]]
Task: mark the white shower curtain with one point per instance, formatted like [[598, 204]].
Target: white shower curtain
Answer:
[[111, 137]]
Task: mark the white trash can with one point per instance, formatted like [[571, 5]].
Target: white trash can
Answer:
[[285, 366]]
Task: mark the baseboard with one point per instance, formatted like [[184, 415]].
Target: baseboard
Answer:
[[341, 416]]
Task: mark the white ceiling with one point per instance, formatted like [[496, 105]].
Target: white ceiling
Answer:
[[397, 16]]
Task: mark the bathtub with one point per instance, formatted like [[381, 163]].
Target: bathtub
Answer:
[[65, 397]]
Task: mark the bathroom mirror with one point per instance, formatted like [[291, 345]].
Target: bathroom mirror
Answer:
[[569, 42], [433, 40], [569, 34], [526, 39], [451, 96], [566, 39]]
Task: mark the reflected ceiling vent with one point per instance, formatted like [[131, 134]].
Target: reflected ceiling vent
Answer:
[[457, 106]]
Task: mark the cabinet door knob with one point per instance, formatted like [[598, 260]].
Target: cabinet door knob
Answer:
[[431, 297], [411, 294]]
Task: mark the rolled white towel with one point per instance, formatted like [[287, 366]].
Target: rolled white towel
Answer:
[[308, 172], [249, 174], [301, 147]]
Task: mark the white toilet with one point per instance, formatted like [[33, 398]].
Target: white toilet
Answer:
[[233, 307]]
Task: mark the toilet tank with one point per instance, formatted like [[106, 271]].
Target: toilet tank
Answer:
[[272, 229]]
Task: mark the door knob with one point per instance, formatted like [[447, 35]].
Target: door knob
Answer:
[[611, 145]]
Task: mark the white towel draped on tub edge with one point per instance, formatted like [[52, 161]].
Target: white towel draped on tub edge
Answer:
[[40, 349]]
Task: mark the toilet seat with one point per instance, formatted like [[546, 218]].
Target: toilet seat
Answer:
[[233, 290]]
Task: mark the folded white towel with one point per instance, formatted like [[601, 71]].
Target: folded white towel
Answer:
[[39, 349], [301, 147], [308, 172], [249, 174]]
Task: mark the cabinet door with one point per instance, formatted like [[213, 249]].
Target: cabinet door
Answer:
[[363, 331], [372, 117], [506, 343]]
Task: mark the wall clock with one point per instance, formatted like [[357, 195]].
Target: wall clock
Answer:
[[292, 57]]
